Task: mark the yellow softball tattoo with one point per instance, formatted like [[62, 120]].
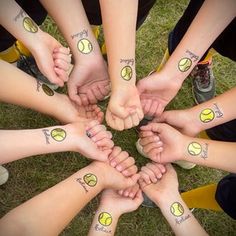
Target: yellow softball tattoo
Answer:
[[47, 90], [105, 219], [58, 134], [90, 179], [176, 209], [126, 73], [29, 25], [184, 64], [85, 46], [194, 148], [207, 115]]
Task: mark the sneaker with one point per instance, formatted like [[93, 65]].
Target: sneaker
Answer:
[[4, 174], [203, 82], [28, 65], [183, 164]]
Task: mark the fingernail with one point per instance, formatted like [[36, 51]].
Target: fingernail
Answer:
[[125, 172], [119, 168], [113, 163]]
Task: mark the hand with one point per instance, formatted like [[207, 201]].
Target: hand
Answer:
[[52, 59], [122, 162], [90, 139], [173, 142], [89, 81], [112, 200], [162, 189], [124, 109], [180, 119], [156, 91]]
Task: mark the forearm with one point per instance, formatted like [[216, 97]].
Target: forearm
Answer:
[[211, 20], [119, 22], [21, 89], [215, 154], [49, 212], [179, 216], [17, 144], [73, 23], [104, 221], [214, 112], [18, 23]]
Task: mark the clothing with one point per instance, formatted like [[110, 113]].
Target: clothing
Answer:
[[225, 42], [36, 11]]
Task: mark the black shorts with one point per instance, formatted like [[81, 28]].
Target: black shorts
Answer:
[[225, 44], [36, 11]]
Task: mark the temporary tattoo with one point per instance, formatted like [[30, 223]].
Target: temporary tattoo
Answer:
[[85, 46], [105, 218], [184, 64], [207, 115], [90, 179], [181, 219], [39, 84], [127, 61], [192, 56], [176, 209], [20, 15], [82, 34], [126, 73], [88, 134], [29, 25], [80, 181], [102, 229], [204, 154], [194, 148], [217, 110], [58, 134], [47, 135], [47, 90]]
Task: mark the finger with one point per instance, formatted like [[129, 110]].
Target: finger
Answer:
[[119, 124], [135, 119], [155, 154], [119, 158], [61, 64], [144, 134], [95, 130], [154, 127], [155, 169], [92, 99], [145, 177], [150, 173], [61, 56], [149, 139], [84, 99], [62, 50], [153, 108], [115, 151], [155, 145], [72, 90], [161, 167], [159, 110], [125, 164], [128, 123], [146, 105], [101, 135], [61, 74], [130, 171], [97, 93], [105, 144]]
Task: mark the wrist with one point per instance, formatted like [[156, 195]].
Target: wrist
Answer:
[[163, 200]]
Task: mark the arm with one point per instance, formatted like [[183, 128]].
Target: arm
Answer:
[[88, 82], [43, 47], [21, 89], [180, 147], [49, 212], [111, 207], [91, 140], [119, 22], [209, 114], [211, 20], [166, 196]]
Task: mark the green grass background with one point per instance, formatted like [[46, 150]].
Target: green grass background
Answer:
[[33, 175]]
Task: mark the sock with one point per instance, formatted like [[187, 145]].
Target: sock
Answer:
[[208, 58], [202, 197], [164, 60]]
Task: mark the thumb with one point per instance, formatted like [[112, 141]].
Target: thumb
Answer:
[[131, 181], [119, 111]]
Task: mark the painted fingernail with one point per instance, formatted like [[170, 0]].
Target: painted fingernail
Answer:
[[88, 134]]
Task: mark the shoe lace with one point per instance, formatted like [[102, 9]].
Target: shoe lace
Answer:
[[202, 74]]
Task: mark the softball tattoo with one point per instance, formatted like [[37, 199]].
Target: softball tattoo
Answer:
[[58, 134], [90, 179], [194, 149], [207, 115], [47, 90], [29, 25], [105, 219], [85, 46], [126, 73], [176, 209], [184, 64]]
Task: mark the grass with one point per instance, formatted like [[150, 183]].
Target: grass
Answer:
[[33, 175]]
